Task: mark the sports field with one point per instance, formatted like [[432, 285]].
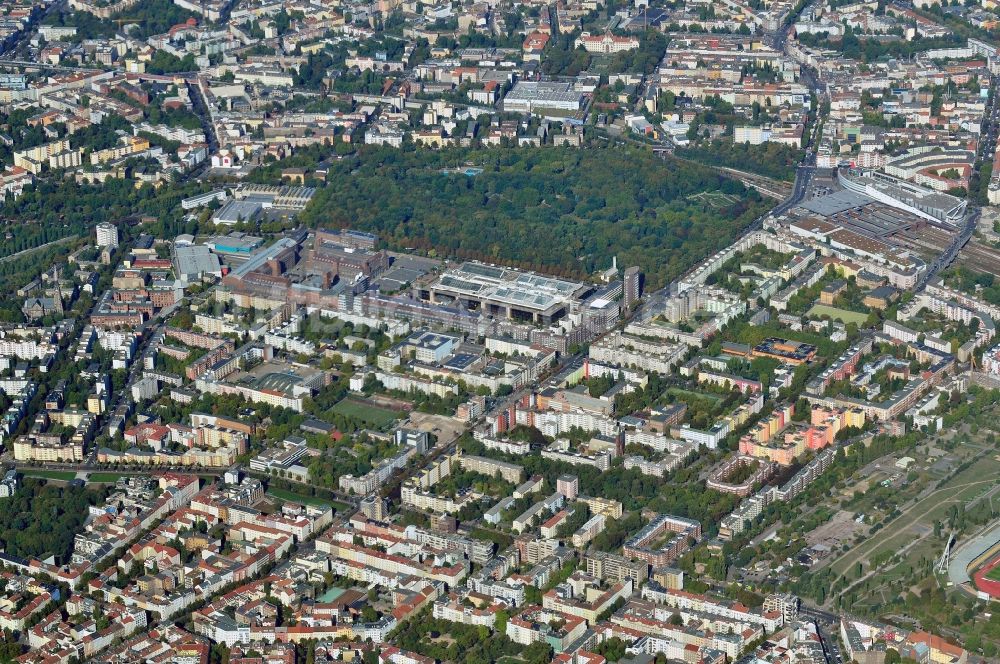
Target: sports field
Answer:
[[842, 315], [104, 478], [371, 414]]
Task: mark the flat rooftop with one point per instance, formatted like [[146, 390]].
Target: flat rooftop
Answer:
[[544, 91], [507, 286], [836, 202]]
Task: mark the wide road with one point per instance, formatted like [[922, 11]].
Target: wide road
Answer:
[[19, 38], [828, 625]]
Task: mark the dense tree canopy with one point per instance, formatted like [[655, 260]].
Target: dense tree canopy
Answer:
[[53, 209], [772, 160], [562, 211], [152, 17], [42, 519]]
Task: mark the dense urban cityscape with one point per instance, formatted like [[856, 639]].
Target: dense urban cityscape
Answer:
[[487, 331]]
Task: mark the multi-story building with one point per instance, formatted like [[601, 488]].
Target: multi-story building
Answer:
[[611, 567], [606, 43], [645, 544], [107, 235], [510, 472], [535, 624]]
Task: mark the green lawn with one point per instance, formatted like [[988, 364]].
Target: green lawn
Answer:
[[373, 415], [994, 574], [714, 199], [842, 315], [681, 393], [104, 478], [63, 475], [959, 490], [291, 496], [502, 540]]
